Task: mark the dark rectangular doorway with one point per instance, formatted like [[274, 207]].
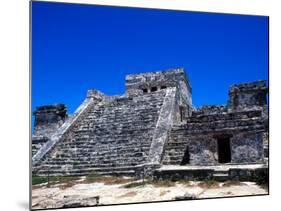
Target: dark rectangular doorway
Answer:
[[224, 151], [186, 157]]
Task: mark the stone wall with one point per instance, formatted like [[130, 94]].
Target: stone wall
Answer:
[[266, 144], [247, 95], [201, 132], [209, 109], [112, 138], [66, 129], [247, 147], [48, 119], [240, 173], [153, 81], [152, 124], [37, 143], [203, 150]]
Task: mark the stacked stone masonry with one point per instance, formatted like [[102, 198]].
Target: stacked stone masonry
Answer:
[[113, 134], [152, 125]]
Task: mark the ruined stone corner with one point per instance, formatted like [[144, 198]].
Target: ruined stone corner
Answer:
[[96, 95]]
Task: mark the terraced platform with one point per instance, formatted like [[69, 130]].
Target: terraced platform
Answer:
[[111, 138], [224, 172]]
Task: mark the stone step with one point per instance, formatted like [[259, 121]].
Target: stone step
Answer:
[[85, 172], [101, 155], [175, 147], [173, 158], [112, 134], [95, 161], [220, 176], [90, 164], [124, 170], [94, 168], [98, 158], [118, 145], [115, 120], [101, 151], [167, 162], [223, 171]]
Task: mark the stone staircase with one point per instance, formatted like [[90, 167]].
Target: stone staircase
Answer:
[[174, 151], [112, 138], [221, 174]]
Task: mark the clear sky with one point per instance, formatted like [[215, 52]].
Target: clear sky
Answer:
[[77, 47]]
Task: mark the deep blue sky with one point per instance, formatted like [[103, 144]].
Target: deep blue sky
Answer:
[[77, 47]]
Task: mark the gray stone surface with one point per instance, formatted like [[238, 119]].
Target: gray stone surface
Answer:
[[243, 96], [161, 80], [152, 125], [243, 172], [66, 126], [201, 132], [116, 133], [163, 127], [48, 119]]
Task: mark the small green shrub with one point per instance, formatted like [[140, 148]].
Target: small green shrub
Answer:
[[261, 179]]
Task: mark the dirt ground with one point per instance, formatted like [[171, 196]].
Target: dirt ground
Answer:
[[55, 195]]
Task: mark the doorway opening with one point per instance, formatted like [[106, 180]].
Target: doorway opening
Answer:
[[186, 157], [153, 89], [144, 90], [224, 151], [181, 113]]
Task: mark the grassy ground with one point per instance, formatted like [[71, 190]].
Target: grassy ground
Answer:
[[36, 180], [69, 181]]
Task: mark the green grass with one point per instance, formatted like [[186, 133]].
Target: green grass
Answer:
[[161, 183], [36, 180], [229, 183], [68, 181], [134, 185]]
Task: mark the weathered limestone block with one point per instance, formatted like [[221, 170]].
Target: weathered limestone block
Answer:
[[153, 81], [163, 127], [93, 97], [203, 150], [37, 143], [244, 96], [247, 148], [248, 174], [115, 134], [266, 144], [201, 133], [179, 174], [48, 119], [209, 109]]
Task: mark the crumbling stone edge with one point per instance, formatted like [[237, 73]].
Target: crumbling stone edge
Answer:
[[163, 127], [93, 96]]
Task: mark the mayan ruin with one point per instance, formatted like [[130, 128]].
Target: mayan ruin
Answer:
[[154, 130]]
